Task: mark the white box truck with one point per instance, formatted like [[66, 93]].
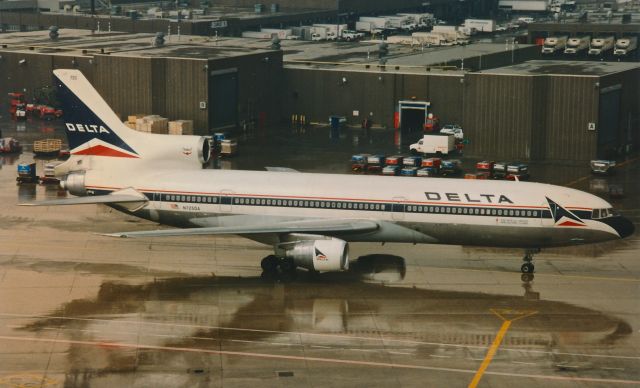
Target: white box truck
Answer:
[[434, 144], [364, 27], [625, 45], [554, 44], [577, 45], [451, 33], [333, 30], [280, 33], [600, 46], [257, 34], [377, 22], [428, 39], [422, 20], [481, 25]]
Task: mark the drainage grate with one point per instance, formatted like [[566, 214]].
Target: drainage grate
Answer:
[[285, 374]]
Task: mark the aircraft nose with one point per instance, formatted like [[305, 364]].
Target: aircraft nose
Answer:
[[622, 225]]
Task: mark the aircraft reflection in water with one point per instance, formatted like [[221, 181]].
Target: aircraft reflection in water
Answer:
[[215, 313]]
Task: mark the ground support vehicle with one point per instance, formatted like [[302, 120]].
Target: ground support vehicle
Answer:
[[606, 167], [434, 144], [500, 170], [27, 173], [9, 145]]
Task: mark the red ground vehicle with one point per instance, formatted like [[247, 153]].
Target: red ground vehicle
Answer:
[[48, 113], [15, 100]]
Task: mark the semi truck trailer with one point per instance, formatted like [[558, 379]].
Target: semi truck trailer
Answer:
[[600, 46], [554, 44], [625, 45], [577, 45]]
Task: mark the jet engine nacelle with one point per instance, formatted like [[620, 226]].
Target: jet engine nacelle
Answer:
[[321, 255], [74, 184], [164, 148]]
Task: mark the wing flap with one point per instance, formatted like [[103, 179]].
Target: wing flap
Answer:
[[312, 226]]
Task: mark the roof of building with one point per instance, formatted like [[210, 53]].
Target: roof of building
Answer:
[[559, 67]]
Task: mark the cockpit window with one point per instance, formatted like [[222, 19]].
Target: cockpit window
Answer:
[[602, 213]]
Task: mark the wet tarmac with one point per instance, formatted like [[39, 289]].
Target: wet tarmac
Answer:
[[81, 310]]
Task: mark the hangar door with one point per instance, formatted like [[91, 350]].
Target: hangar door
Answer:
[[608, 120], [223, 98], [412, 116]]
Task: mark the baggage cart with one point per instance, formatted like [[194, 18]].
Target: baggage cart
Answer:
[[49, 174], [450, 167], [500, 170], [375, 163], [391, 170], [412, 161], [517, 171], [427, 171], [395, 160], [431, 162], [485, 166], [359, 162], [409, 171], [47, 147], [228, 147]]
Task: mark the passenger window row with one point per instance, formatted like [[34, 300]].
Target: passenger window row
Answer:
[[472, 211], [248, 201]]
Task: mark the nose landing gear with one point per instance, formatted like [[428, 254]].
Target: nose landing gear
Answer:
[[528, 266]]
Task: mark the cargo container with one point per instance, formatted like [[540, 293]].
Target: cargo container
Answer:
[[359, 162], [256, 35], [27, 173], [391, 170], [412, 161], [432, 162], [377, 22]]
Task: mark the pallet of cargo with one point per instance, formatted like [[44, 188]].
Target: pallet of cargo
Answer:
[[47, 147]]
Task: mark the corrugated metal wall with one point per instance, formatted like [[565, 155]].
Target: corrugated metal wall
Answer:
[[571, 103], [317, 94], [498, 113]]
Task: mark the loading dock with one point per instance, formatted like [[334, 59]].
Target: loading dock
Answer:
[[412, 116]]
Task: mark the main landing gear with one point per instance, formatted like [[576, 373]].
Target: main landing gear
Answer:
[[281, 267], [528, 267]]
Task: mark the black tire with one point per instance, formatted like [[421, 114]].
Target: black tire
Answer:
[[527, 268], [269, 263], [286, 265]]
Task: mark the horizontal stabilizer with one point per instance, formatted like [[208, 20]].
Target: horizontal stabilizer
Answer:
[[306, 226], [94, 199]]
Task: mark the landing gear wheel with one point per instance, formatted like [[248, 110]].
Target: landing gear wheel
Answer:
[[527, 268], [286, 265], [269, 263]]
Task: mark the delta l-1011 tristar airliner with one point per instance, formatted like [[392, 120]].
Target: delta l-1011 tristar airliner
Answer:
[[309, 219]]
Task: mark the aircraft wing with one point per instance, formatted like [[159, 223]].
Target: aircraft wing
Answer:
[[300, 226], [94, 199]]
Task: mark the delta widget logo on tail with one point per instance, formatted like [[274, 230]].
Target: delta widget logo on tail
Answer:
[[97, 140], [562, 216]]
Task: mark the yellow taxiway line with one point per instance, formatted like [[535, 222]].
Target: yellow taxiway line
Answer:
[[506, 324]]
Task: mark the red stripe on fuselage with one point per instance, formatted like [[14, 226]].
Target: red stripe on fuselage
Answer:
[[100, 150]]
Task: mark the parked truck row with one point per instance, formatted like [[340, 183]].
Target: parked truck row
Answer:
[[595, 47]]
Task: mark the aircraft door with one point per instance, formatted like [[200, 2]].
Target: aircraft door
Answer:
[[398, 208], [226, 201]]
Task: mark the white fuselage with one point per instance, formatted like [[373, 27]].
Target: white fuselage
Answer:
[[436, 210]]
